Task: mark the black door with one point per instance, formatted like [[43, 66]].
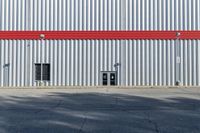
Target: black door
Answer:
[[112, 79], [105, 78]]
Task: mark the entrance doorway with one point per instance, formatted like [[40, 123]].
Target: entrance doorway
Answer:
[[109, 78]]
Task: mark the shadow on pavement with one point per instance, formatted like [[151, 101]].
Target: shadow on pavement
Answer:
[[98, 113]]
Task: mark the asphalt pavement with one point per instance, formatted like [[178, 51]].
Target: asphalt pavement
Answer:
[[100, 110]]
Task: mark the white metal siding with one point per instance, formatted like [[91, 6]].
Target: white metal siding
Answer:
[[150, 62], [79, 62], [100, 15]]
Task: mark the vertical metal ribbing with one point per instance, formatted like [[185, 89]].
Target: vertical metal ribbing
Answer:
[[194, 69], [1, 9], [27, 45], [159, 68], [74, 14], [1, 64], [41, 43], [123, 43], [198, 62], [139, 54], [178, 60]]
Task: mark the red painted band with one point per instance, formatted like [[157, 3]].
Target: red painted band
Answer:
[[99, 35]]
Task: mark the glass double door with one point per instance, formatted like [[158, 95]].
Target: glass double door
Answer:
[[109, 78]]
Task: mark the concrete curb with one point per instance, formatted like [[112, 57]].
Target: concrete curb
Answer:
[[101, 87]]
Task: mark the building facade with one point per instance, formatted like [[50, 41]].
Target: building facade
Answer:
[[96, 62]]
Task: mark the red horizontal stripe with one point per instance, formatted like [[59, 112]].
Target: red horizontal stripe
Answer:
[[98, 35]]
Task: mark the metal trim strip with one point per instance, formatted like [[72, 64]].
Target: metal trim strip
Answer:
[[99, 35]]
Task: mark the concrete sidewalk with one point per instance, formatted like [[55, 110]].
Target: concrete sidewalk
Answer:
[[100, 110]]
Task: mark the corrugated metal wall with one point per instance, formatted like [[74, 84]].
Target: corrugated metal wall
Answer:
[[79, 62], [99, 15]]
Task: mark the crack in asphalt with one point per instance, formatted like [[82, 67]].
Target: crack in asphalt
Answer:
[[54, 107], [154, 123], [83, 124], [19, 129]]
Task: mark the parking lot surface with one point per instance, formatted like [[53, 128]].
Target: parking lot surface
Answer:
[[100, 110]]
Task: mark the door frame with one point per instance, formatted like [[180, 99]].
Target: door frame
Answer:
[[108, 80]]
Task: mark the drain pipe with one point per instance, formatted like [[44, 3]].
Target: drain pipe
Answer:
[[178, 60]]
